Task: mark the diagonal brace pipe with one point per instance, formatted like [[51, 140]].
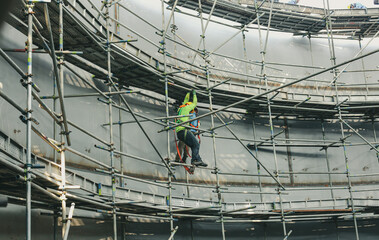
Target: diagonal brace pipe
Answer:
[[57, 77], [247, 149], [173, 233], [359, 135]]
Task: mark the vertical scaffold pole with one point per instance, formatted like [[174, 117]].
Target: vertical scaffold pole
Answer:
[[110, 101], [117, 16], [63, 181], [29, 9], [203, 29], [263, 48], [62, 139], [173, 30], [329, 29], [327, 160], [60, 64], [312, 61], [363, 64], [163, 50], [375, 138], [216, 169], [245, 55], [120, 128], [256, 154], [122, 165]]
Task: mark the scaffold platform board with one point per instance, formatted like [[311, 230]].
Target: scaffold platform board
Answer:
[[296, 19]]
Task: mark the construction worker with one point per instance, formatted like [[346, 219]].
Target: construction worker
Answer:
[[185, 135], [194, 124], [181, 147], [356, 6]]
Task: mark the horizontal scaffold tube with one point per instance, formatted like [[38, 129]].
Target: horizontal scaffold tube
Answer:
[[134, 178], [88, 158]]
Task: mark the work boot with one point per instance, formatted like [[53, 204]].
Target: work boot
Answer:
[[202, 164], [195, 162], [198, 163]]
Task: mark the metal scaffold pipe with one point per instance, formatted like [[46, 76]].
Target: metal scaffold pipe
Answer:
[[163, 51], [242, 29], [69, 219], [134, 115], [59, 86], [13, 103], [359, 135], [90, 94], [263, 49], [131, 178], [89, 134], [203, 28], [209, 89], [359, 53], [88, 158], [146, 120], [375, 137], [28, 163], [58, 79], [12, 63], [107, 5]]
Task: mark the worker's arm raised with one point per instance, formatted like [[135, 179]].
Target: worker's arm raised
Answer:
[[192, 106], [194, 98], [186, 99]]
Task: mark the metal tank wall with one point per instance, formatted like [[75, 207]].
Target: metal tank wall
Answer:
[[231, 156], [91, 113]]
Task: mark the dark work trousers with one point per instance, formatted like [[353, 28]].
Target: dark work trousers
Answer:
[[181, 150], [190, 140]]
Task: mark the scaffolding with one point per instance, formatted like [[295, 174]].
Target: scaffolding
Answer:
[[123, 68]]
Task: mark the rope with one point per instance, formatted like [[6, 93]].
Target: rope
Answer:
[[177, 147]]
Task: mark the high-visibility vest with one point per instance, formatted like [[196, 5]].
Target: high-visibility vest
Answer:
[[180, 113]]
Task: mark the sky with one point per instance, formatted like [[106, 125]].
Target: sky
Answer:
[[339, 4]]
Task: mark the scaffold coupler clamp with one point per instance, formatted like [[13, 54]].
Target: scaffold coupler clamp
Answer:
[[24, 119], [27, 167], [161, 50], [63, 195], [174, 28], [29, 5], [199, 10], [33, 166]]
